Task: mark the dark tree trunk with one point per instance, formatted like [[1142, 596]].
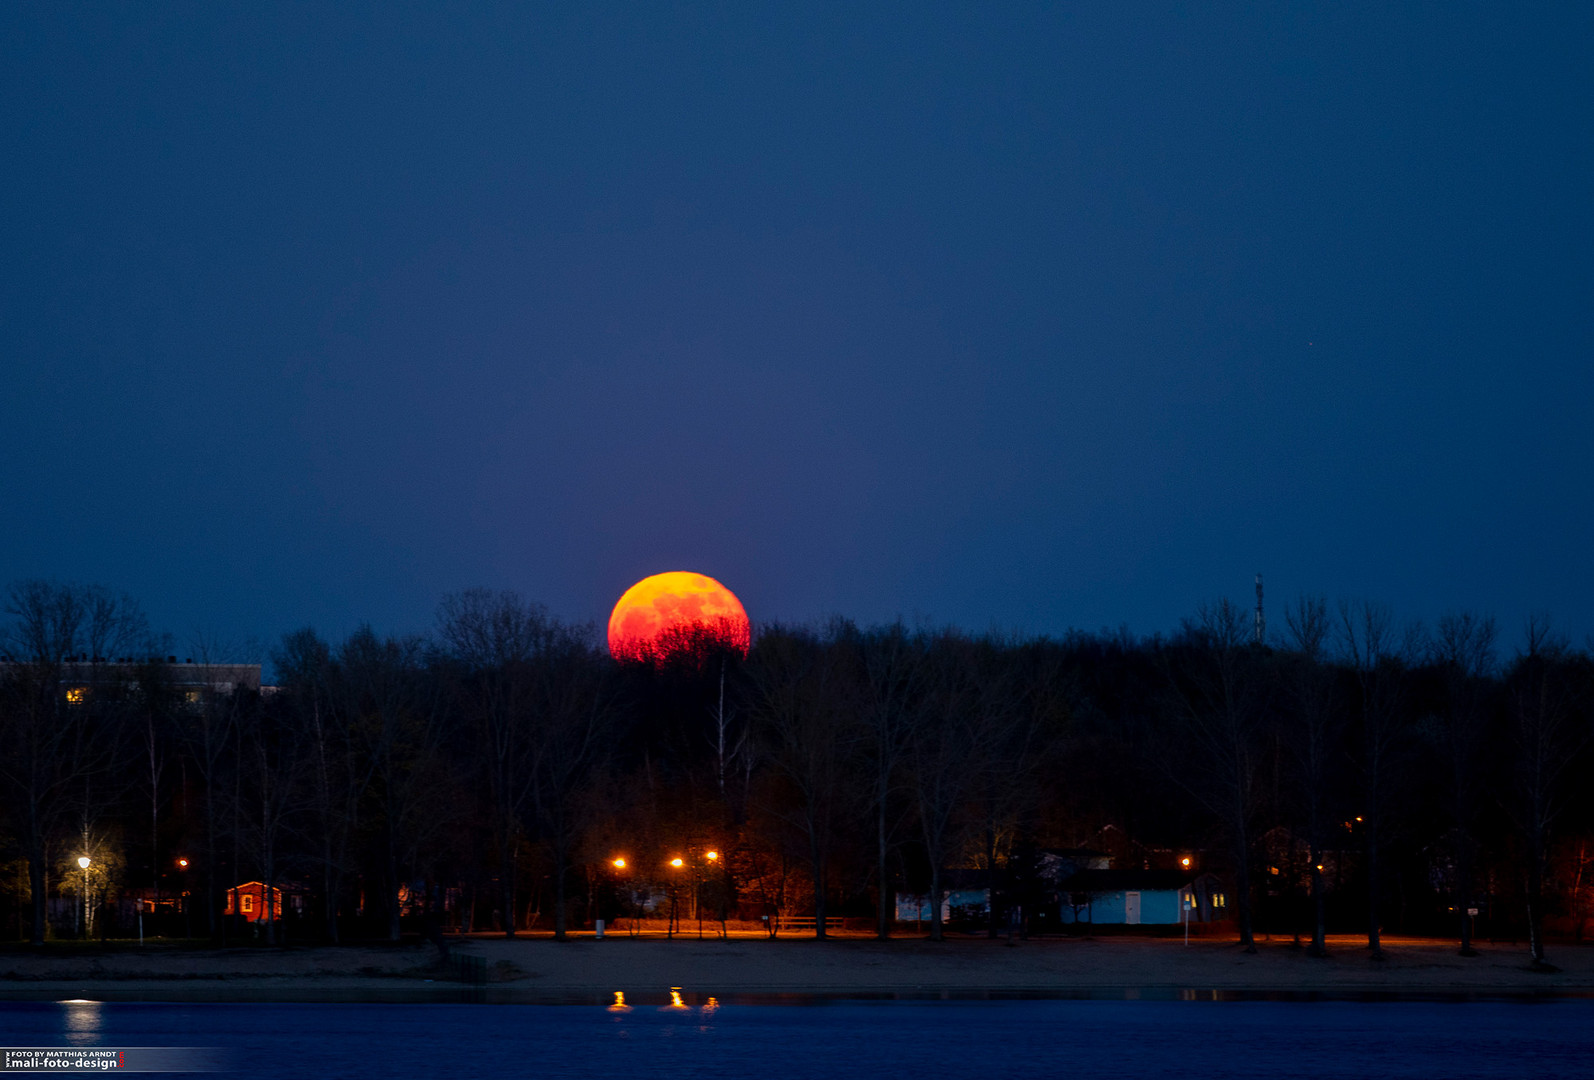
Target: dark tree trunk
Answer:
[[272, 914], [213, 923], [561, 860], [213, 929], [1374, 941], [1319, 928], [819, 892], [393, 929], [883, 914], [330, 888], [1535, 903], [36, 887], [434, 922], [506, 885], [1242, 893], [1464, 892], [990, 883], [935, 900]]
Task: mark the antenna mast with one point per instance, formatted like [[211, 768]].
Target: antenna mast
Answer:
[[1261, 620]]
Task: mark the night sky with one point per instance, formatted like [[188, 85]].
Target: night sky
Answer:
[[1029, 317]]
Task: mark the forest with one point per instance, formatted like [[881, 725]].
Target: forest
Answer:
[[1341, 771]]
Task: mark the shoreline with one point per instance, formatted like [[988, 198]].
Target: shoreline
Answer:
[[539, 970]]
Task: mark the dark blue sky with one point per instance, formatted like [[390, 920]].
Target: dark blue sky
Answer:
[[1030, 316]]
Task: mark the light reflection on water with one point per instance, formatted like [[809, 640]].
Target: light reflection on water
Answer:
[[702, 1036], [82, 1022]]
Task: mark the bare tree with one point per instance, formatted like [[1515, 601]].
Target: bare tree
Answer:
[[54, 744], [1463, 651], [799, 700], [272, 765], [1018, 733], [1378, 657], [1314, 735], [207, 731], [893, 666], [1550, 730], [577, 707], [155, 706], [1220, 691], [395, 715], [495, 639], [961, 721], [322, 711]]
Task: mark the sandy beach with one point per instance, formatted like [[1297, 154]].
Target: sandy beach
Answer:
[[539, 968]]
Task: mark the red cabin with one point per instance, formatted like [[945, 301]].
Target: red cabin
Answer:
[[249, 900]]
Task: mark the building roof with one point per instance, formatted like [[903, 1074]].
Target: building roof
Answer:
[[1077, 853], [1100, 881], [216, 677]]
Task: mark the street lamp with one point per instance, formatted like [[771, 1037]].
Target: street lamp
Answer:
[[710, 858], [83, 864], [188, 916], [675, 863]]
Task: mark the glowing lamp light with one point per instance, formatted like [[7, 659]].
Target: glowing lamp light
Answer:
[[677, 863], [183, 863], [711, 855], [619, 864], [1185, 862], [83, 862]]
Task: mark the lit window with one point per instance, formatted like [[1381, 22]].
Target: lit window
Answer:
[[191, 696], [248, 903], [77, 695]]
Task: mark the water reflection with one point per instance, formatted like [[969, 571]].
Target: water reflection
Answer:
[[706, 1013], [1487, 1040], [83, 1021]]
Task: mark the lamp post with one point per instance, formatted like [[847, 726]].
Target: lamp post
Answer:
[[1186, 901], [83, 864], [675, 864], [618, 865], [711, 857], [188, 917]]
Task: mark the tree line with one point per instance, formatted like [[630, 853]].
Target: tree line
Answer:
[[502, 772]]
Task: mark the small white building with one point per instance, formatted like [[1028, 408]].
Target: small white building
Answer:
[[915, 907], [1142, 898]]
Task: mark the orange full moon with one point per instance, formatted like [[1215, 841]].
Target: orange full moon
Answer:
[[665, 613]]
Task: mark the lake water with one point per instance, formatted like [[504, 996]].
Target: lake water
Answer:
[[830, 1038]]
